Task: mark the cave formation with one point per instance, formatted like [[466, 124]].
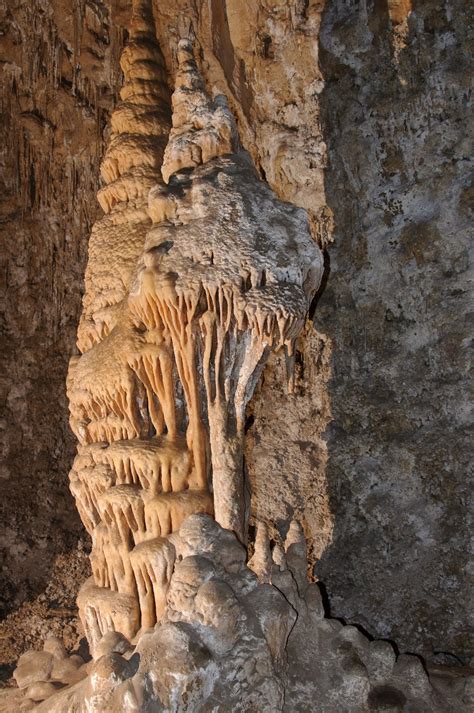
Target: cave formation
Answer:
[[174, 336], [197, 276]]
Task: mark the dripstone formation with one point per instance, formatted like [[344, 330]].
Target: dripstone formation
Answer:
[[194, 276], [196, 273]]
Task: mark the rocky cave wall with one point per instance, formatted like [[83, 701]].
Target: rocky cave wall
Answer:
[[397, 308], [356, 113], [60, 75]]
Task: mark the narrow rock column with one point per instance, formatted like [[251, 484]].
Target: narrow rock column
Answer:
[[134, 478]]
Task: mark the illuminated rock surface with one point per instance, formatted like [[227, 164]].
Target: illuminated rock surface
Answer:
[[395, 454], [179, 319], [229, 642]]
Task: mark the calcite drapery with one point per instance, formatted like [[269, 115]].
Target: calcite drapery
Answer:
[[179, 319]]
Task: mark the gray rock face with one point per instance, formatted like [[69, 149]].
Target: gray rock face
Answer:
[[396, 308]]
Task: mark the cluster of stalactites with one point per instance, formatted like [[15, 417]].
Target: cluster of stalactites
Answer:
[[214, 277], [232, 293]]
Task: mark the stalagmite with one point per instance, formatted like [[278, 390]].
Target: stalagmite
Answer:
[[140, 126], [194, 276], [261, 562], [136, 476]]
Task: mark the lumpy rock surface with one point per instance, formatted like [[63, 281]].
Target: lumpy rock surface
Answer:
[[357, 115]]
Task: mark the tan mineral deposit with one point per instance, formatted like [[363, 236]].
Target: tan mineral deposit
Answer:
[[200, 275]]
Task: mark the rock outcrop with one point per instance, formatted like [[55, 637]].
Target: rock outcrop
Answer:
[[358, 113]]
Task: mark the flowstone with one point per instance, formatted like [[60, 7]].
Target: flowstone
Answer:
[[195, 275], [229, 640]]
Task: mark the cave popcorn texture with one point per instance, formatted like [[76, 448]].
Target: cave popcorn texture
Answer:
[[195, 275]]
